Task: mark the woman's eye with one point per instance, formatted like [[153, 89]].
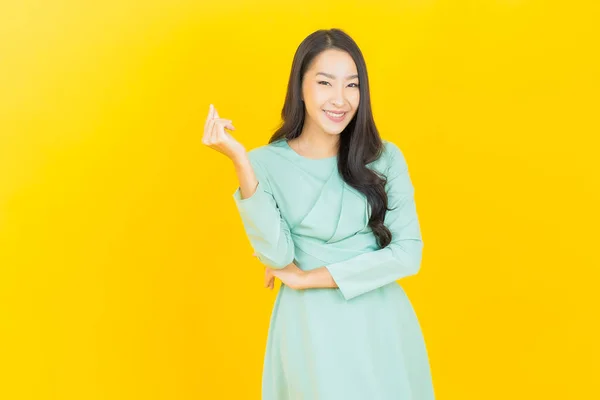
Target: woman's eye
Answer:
[[327, 83]]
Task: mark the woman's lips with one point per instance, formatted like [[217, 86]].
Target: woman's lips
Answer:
[[334, 118]]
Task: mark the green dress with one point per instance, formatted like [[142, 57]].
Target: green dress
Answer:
[[361, 340]]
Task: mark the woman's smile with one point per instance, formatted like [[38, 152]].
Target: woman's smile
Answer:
[[335, 116]]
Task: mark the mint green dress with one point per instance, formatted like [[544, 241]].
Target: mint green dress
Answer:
[[362, 340]]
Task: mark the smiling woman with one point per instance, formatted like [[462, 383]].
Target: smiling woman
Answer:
[[328, 207], [324, 93]]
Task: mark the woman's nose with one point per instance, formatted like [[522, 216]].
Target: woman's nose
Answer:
[[338, 97]]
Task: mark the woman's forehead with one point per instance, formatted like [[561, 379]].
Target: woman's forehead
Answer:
[[334, 64]]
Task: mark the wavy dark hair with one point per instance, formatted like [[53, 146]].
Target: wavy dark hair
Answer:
[[360, 142]]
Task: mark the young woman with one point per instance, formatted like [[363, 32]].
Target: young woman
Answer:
[[328, 207]]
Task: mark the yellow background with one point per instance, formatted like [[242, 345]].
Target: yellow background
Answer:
[[124, 269]]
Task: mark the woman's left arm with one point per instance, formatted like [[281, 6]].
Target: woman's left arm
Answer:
[[401, 258]]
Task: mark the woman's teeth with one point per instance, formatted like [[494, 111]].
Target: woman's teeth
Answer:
[[335, 115]]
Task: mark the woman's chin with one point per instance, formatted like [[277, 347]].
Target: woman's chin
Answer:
[[333, 130]]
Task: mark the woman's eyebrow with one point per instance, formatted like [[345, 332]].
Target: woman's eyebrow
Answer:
[[333, 76]]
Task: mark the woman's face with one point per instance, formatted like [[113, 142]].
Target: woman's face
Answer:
[[330, 92]]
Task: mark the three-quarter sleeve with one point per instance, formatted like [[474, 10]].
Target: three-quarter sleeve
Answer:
[[402, 257], [266, 229]]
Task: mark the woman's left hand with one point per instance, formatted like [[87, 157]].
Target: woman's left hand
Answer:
[[290, 275]]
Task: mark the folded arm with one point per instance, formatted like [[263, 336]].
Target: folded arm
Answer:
[[402, 257]]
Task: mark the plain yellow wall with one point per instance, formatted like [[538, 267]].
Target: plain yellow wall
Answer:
[[124, 269]]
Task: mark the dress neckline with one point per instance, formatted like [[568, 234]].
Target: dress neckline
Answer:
[[301, 157]]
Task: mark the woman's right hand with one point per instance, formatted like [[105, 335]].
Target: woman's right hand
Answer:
[[216, 138]]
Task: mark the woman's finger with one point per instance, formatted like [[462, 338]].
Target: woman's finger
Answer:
[[227, 123], [207, 132], [218, 130], [210, 112], [207, 128], [208, 118], [267, 277], [213, 131], [220, 135], [221, 131], [210, 129]]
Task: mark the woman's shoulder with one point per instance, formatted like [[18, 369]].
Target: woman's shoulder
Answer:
[[390, 149], [391, 157], [266, 151]]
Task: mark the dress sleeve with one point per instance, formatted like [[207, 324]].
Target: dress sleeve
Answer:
[[266, 229], [402, 257]]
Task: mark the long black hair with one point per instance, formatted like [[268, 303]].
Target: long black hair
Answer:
[[360, 142]]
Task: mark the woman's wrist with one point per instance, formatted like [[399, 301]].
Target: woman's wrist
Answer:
[[240, 160], [319, 278]]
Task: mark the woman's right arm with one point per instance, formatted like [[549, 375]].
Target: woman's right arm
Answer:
[[268, 232], [266, 229], [246, 176]]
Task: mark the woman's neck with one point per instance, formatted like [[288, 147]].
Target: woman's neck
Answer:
[[315, 144]]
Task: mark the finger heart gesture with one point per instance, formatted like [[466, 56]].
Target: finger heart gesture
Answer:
[[217, 138]]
